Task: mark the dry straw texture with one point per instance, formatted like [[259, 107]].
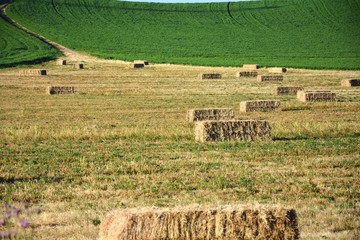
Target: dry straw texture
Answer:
[[51, 90], [232, 130], [60, 62], [316, 96], [210, 114], [259, 106], [210, 76], [78, 65], [265, 78], [145, 62], [287, 90], [231, 222], [246, 74], [277, 70], [251, 66], [350, 82], [137, 65], [32, 72]]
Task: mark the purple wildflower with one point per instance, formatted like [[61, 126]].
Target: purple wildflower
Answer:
[[13, 234], [24, 223], [8, 214], [2, 222], [4, 234], [16, 212]]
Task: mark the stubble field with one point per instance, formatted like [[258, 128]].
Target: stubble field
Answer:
[[123, 141]]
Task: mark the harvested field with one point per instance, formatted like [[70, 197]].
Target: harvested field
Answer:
[[137, 65], [277, 70], [51, 90], [60, 62], [32, 72], [210, 114], [232, 130], [246, 74], [78, 66], [228, 222], [259, 106], [350, 82], [270, 78], [210, 76], [251, 66], [316, 96], [286, 90]]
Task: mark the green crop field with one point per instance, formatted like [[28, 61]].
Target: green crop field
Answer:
[[293, 33], [18, 47]]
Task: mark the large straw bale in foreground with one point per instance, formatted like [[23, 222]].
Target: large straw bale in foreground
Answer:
[[210, 114], [287, 90], [32, 72], [259, 106], [78, 66], [251, 66], [350, 82], [270, 78], [51, 90], [316, 96], [277, 70], [246, 74], [210, 76], [230, 222], [232, 130]]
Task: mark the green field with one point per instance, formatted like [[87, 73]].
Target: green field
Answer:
[[319, 34], [18, 47]]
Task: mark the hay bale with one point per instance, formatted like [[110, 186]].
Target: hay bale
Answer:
[[269, 78], [32, 72], [210, 114], [259, 106], [145, 62], [251, 66], [51, 90], [277, 70], [350, 82], [60, 62], [232, 130], [316, 96], [78, 66], [287, 90], [246, 74], [210, 76], [227, 222], [137, 65]]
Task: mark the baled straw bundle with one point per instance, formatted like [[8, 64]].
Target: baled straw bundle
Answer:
[[210, 114], [277, 70], [210, 76], [32, 72], [246, 74], [350, 82], [251, 66], [60, 62], [267, 78], [227, 222], [259, 106], [78, 66], [60, 90], [287, 90], [316, 96], [232, 130]]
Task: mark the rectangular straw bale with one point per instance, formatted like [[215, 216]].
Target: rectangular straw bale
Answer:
[[287, 90], [145, 62], [51, 90], [137, 65], [210, 76], [227, 222], [32, 72], [232, 130], [251, 66], [259, 106], [210, 114], [78, 65], [246, 74], [277, 70], [350, 82], [316, 96], [60, 62], [267, 78]]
